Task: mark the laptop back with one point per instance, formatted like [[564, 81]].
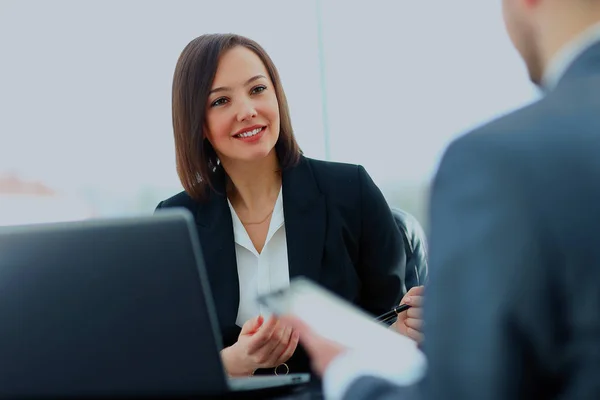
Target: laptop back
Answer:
[[107, 307]]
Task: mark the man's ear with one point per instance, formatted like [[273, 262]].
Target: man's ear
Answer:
[[532, 3]]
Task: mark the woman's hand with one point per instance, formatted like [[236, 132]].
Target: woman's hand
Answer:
[[260, 345], [410, 322]]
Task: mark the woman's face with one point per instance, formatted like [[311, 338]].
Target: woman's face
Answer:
[[242, 117]]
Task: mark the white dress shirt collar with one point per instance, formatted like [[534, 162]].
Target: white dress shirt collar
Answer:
[[264, 272], [563, 59], [239, 231]]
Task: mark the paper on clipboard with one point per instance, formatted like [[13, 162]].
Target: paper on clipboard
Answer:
[[334, 318]]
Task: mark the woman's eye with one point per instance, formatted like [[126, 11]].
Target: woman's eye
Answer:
[[218, 102], [258, 89]]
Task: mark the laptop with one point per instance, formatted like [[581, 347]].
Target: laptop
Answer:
[[112, 307]]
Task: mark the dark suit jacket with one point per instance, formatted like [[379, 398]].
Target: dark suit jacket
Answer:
[[340, 233], [513, 306]]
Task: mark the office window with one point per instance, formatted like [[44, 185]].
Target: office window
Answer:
[[85, 92]]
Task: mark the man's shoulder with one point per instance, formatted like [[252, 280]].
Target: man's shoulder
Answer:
[[514, 128], [538, 129], [540, 146], [557, 122]]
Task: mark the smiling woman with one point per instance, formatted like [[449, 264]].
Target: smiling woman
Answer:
[[243, 114], [231, 79], [264, 212]]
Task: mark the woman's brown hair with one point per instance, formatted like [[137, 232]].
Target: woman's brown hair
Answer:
[[197, 162]]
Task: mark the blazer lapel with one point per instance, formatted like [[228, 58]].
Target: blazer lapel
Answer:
[[215, 230], [304, 211]]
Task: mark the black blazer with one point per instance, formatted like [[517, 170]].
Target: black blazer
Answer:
[[340, 233]]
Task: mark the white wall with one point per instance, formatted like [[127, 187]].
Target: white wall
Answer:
[[85, 85]]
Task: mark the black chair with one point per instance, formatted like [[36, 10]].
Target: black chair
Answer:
[[415, 243]]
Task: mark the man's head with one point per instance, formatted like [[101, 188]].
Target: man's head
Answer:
[[539, 28]]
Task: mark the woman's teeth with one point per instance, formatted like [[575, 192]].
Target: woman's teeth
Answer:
[[250, 133]]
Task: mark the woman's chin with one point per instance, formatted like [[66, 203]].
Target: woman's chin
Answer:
[[252, 157]]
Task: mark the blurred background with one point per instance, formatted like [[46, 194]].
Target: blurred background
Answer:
[[85, 92]]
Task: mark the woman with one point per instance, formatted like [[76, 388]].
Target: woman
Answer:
[[264, 212]]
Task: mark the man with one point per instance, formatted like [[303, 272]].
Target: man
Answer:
[[513, 306]]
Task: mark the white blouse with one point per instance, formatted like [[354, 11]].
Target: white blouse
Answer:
[[260, 273]]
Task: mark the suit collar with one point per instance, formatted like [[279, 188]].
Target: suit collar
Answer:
[[567, 55], [587, 63]]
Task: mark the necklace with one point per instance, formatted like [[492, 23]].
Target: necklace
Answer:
[[259, 222]]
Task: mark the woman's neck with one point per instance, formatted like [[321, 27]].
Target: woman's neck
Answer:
[[253, 186]]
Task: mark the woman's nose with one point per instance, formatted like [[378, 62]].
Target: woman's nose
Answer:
[[246, 111]]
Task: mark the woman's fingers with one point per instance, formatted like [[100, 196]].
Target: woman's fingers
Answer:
[[415, 335], [290, 348], [263, 336], [415, 301], [415, 313], [413, 323]]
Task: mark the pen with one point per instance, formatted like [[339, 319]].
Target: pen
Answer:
[[392, 313]]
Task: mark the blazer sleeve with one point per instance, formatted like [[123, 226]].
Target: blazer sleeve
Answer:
[[382, 257]]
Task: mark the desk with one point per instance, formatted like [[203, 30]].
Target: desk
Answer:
[[311, 391]]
